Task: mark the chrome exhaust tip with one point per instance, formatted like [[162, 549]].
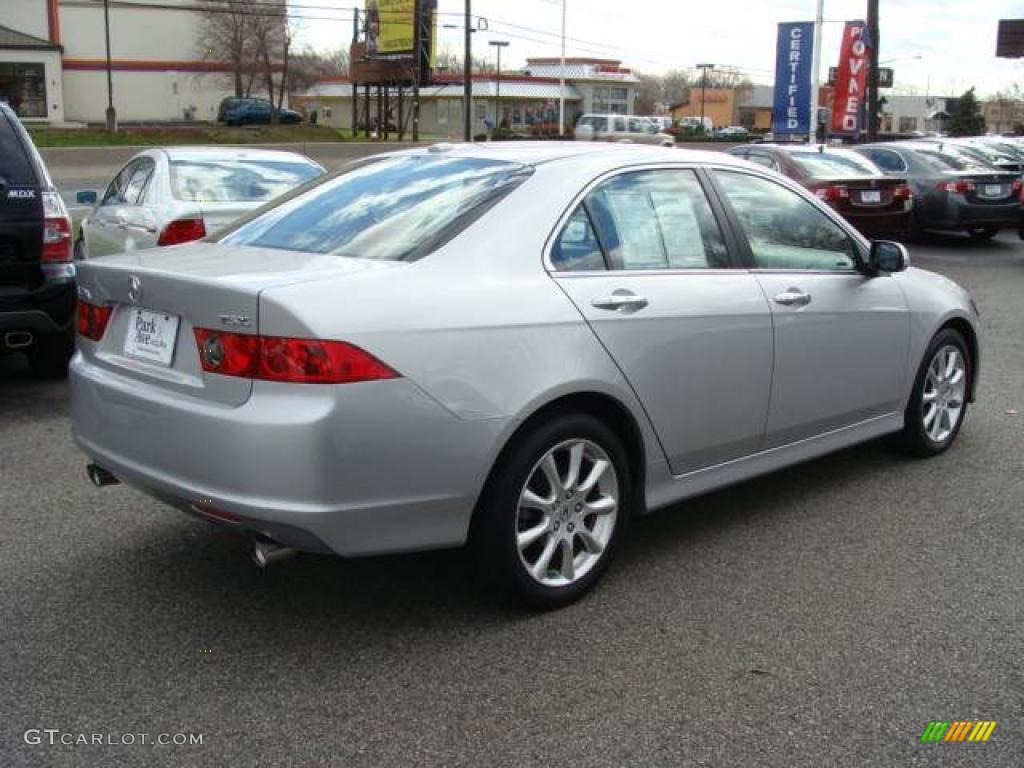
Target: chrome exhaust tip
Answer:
[[18, 339], [99, 476], [266, 552]]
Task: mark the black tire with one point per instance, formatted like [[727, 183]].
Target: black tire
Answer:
[[915, 438], [496, 522], [49, 356], [80, 249], [982, 233]]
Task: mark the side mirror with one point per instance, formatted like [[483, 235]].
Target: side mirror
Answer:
[[887, 256], [86, 197]]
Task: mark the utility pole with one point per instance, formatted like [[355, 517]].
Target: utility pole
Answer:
[[703, 89], [819, 21], [467, 93], [417, 66], [111, 112], [561, 78], [355, 85], [873, 70], [499, 44]]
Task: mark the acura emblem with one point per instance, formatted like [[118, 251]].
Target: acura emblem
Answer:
[[134, 289]]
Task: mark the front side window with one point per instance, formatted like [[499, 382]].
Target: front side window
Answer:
[[393, 209], [784, 230], [649, 220]]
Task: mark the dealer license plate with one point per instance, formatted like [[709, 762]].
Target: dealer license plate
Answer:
[[994, 190], [871, 196], [151, 336]]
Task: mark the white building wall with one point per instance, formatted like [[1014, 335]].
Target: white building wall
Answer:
[[142, 96], [136, 34]]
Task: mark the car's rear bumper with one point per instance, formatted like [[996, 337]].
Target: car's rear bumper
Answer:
[[353, 469], [46, 310], [870, 223], [960, 214]]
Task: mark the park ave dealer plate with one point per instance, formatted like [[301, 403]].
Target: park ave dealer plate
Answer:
[[871, 196], [151, 335]]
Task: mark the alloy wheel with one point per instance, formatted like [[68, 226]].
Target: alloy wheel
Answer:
[[567, 512], [945, 387]]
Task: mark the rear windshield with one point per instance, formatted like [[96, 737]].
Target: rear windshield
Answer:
[[949, 159], [236, 180], [394, 209], [824, 164]]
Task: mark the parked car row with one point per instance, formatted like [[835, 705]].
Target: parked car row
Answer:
[[906, 188]]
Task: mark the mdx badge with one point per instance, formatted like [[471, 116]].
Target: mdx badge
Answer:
[[25, 194]]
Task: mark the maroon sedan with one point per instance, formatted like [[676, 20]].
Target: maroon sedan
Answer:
[[874, 203]]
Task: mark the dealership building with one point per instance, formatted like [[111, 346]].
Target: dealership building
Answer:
[[53, 64], [527, 99]]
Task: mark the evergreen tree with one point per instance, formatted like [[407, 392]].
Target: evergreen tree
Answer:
[[967, 119]]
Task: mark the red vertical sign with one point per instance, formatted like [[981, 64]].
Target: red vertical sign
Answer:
[[852, 81]]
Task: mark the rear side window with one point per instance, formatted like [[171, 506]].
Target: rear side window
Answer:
[[212, 180], [887, 160], [395, 209], [15, 168], [136, 188], [826, 164], [644, 220], [115, 194]]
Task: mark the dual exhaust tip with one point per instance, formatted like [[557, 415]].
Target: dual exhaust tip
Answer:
[[263, 551]]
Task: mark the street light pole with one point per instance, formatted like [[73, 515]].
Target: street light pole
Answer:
[[499, 44], [703, 89], [561, 78], [873, 71], [467, 92], [111, 112], [819, 21]]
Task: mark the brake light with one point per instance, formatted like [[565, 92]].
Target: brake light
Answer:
[[273, 358], [57, 247], [1018, 185], [960, 187], [832, 193], [92, 320], [182, 231], [902, 192]]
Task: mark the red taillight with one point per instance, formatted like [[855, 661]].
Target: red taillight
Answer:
[[960, 187], [57, 247], [1018, 186], [92, 320], [182, 231], [272, 358], [902, 192], [832, 193]]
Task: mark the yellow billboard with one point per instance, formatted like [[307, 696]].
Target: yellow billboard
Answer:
[[389, 26]]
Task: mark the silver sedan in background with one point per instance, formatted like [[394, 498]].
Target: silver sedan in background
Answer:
[[176, 195], [517, 345]]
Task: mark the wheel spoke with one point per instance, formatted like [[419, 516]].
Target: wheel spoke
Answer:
[[540, 568], [531, 500], [590, 543], [603, 506], [551, 473], [952, 362], [955, 404], [957, 377], [529, 536], [568, 569], [929, 417], [930, 397], [599, 468], [575, 464]]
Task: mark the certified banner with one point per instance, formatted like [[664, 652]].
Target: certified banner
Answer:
[[850, 88], [791, 111]]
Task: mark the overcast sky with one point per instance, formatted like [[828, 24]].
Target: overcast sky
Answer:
[[955, 39]]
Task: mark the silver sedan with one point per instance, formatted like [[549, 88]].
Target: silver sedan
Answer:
[[518, 346], [179, 194]]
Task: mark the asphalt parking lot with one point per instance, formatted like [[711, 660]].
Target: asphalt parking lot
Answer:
[[821, 616]]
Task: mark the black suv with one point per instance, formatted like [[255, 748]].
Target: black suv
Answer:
[[37, 278]]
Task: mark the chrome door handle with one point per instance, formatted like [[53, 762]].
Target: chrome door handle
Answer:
[[619, 301], [794, 297]]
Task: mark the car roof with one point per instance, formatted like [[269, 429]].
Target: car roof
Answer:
[[534, 153], [232, 153]]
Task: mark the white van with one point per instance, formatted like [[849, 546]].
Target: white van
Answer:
[[625, 129]]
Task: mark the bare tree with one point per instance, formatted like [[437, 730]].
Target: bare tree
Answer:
[[309, 67], [224, 37]]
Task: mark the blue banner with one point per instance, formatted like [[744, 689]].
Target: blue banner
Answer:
[[794, 54]]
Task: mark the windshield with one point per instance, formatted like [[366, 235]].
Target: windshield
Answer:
[[826, 164], [237, 180], [394, 209]]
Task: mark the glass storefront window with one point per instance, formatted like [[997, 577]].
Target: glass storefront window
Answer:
[[23, 86]]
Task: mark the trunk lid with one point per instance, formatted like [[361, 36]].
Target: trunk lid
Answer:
[[160, 296], [863, 193], [218, 216]]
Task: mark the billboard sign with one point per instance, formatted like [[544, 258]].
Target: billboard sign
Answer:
[[791, 110], [1010, 39], [391, 26], [851, 82]]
